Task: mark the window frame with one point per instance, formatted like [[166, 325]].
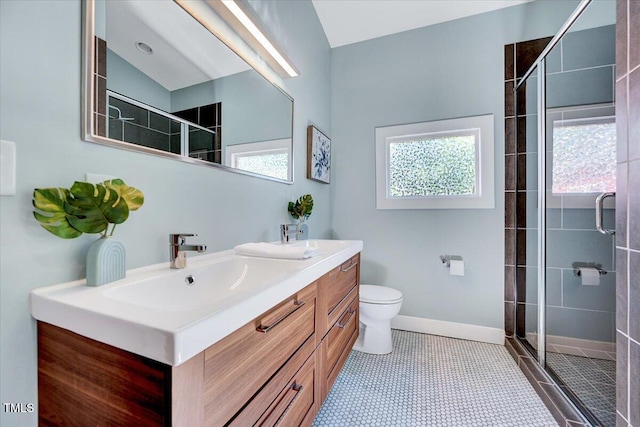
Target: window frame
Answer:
[[484, 197]]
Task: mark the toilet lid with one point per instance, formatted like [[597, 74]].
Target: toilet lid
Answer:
[[373, 294]]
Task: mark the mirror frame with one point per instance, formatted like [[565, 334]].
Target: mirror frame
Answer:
[[88, 97]]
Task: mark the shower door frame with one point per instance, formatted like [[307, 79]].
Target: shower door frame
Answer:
[[539, 67]]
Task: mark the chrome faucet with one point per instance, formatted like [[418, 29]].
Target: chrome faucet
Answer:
[[178, 249], [289, 230]]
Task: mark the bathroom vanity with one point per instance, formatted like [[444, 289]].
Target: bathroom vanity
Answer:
[[246, 361]]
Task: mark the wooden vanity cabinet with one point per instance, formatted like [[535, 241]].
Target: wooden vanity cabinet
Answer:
[[275, 370], [241, 364]]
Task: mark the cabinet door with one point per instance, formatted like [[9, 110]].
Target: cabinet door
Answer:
[[240, 364], [297, 399], [335, 286], [339, 339]]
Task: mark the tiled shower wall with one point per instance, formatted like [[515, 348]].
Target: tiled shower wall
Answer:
[[518, 57], [628, 213]]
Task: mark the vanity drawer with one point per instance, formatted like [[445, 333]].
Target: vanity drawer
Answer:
[[336, 285], [296, 401], [239, 365], [341, 336], [283, 391]]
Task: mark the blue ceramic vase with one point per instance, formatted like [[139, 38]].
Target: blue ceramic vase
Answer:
[[106, 261]]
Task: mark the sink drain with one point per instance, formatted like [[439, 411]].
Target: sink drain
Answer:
[[190, 280]]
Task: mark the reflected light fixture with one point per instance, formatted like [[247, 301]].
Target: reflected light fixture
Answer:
[[144, 48], [250, 26]]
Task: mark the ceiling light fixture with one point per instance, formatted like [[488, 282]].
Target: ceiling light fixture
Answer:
[[144, 48], [259, 36]]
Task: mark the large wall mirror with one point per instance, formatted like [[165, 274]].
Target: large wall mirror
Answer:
[[157, 81]]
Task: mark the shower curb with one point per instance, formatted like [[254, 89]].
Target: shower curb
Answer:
[[556, 402]]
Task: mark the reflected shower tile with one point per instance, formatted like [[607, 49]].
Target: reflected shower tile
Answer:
[[567, 89], [622, 149], [634, 205], [633, 115], [621, 204], [509, 101], [585, 219], [510, 247], [527, 52], [634, 296], [622, 365], [521, 284], [159, 123], [531, 285], [510, 210], [554, 286], [131, 113], [621, 38], [527, 134], [599, 42], [634, 34], [634, 383], [510, 172], [583, 324], [564, 247], [589, 112], [509, 61], [510, 135], [509, 321], [522, 207], [601, 297], [554, 59]]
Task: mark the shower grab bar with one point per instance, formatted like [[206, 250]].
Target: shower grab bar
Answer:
[[599, 216]]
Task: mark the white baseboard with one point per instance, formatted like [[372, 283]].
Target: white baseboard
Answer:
[[449, 329]]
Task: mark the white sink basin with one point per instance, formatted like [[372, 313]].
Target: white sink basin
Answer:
[[155, 313], [211, 285]]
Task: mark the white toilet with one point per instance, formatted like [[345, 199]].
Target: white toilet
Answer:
[[378, 305]]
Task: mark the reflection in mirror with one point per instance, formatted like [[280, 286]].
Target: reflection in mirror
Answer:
[[164, 85]]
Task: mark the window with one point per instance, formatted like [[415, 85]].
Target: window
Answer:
[[436, 165], [269, 158], [584, 156]]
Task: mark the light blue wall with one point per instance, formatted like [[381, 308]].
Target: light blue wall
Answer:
[[40, 111], [124, 78], [454, 69]]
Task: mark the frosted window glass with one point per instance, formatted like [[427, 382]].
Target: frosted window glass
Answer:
[[433, 166], [584, 156], [273, 165]]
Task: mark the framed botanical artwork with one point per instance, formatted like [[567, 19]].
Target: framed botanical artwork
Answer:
[[318, 155]]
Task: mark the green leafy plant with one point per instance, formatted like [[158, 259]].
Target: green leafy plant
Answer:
[[85, 207], [301, 209]]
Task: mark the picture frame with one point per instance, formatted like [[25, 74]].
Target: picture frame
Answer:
[[318, 155]]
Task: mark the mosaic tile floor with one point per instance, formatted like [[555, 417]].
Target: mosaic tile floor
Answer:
[[592, 380], [433, 381]]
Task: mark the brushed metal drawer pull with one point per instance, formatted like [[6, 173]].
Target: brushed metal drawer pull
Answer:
[[296, 306], [297, 388], [353, 264], [350, 313]]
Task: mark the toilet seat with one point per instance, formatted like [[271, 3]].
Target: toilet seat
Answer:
[[373, 294]]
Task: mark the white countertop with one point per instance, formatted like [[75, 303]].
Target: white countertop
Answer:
[[154, 313]]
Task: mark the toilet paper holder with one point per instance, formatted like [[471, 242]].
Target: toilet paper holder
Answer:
[[578, 265], [446, 259]]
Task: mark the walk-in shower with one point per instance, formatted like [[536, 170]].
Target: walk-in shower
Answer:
[[565, 186]]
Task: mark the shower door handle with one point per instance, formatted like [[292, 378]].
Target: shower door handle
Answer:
[[599, 209]]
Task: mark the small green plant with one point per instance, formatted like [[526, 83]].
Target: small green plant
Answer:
[[85, 207], [301, 209]]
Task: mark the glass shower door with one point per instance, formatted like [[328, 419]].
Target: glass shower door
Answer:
[[580, 158]]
